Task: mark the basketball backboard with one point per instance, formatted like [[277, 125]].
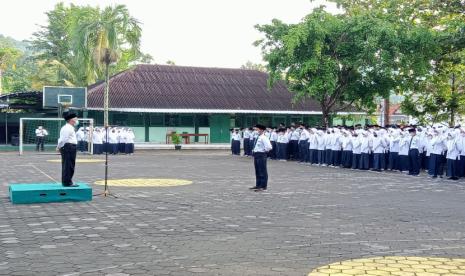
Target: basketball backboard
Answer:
[[55, 96]]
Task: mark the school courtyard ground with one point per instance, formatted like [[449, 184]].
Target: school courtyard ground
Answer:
[[203, 220]]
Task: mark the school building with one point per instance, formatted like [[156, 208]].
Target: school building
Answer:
[[155, 100]]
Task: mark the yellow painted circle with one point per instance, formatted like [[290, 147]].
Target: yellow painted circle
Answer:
[[79, 160], [388, 266], [145, 182]]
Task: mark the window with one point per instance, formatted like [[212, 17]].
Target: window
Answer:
[[186, 120], [202, 121], [157, 120]]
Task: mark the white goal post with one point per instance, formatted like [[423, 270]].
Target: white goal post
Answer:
[[30, 140]]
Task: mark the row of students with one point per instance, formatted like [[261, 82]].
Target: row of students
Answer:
[[410, 149], [120, 140]]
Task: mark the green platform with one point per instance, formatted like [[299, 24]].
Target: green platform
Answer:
[[48, 192]]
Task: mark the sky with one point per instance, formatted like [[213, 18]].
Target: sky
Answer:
[[205, 33]]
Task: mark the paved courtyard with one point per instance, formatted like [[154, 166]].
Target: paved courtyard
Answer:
[[310, 217]]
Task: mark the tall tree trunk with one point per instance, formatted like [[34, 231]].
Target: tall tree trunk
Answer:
[[386, 111], [325, 118]]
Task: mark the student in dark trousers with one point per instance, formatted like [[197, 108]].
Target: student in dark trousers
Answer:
[[67, 146], [414, 153], [260, 149]]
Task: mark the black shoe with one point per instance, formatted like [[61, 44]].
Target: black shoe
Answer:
[[260, 190], [253, 188]]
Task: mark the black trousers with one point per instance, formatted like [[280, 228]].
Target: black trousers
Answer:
[[39, 143], [261, 173], [246, 146], [68, 162], [303, 151], [414, 162]]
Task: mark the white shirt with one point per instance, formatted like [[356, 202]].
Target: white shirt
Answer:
[[404, 145], [357, 145], [347, 143], [394, 144], [130, 137], [378, 144], [246, 134], [320, 140], [274, 136], [113, 138], [304, 135], [295, 135], [263, 144], [41, 132], [414, 142], [283, 138], [67, 136], [236, 136], [452, 149]]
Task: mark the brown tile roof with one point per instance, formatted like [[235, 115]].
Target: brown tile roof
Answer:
[[178, 87]]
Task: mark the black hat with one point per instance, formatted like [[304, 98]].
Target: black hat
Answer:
[[69, 115], [262, 127]]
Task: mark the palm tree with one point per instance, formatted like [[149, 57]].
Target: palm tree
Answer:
[[100, 42]]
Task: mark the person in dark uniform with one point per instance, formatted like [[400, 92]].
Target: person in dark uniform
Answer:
[[67, 146], [260, 149]]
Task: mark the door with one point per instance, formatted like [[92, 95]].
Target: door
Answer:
[[219, 128]]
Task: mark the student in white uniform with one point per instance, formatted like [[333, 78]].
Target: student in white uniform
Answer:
[[97, 139], [347, 149], [365, 149], [282, 144], [236, 142], [246, 142], [130, 139], [273, 141], [461, 145], [261, 147], [41, 133], [379, 146], [414, 153], [356, 150], [403, 161], [313, 147], [321, 141], [452, 155], [394, 139], [303, 143], [113, 139]]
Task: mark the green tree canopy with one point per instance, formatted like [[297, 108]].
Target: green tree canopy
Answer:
[[341, 61]]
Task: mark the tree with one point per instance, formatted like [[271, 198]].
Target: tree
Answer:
[[8, 59], [254, 66], [76, 36], [436, 95], [338, 60]]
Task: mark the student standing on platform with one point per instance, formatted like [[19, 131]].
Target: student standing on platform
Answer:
[[260, 149], [67, 146]]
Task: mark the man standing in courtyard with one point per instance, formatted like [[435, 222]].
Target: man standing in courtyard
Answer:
[[40, 137], [67, 145], [261, 146]]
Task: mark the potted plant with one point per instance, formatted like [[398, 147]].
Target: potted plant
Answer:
[[176, 139]]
